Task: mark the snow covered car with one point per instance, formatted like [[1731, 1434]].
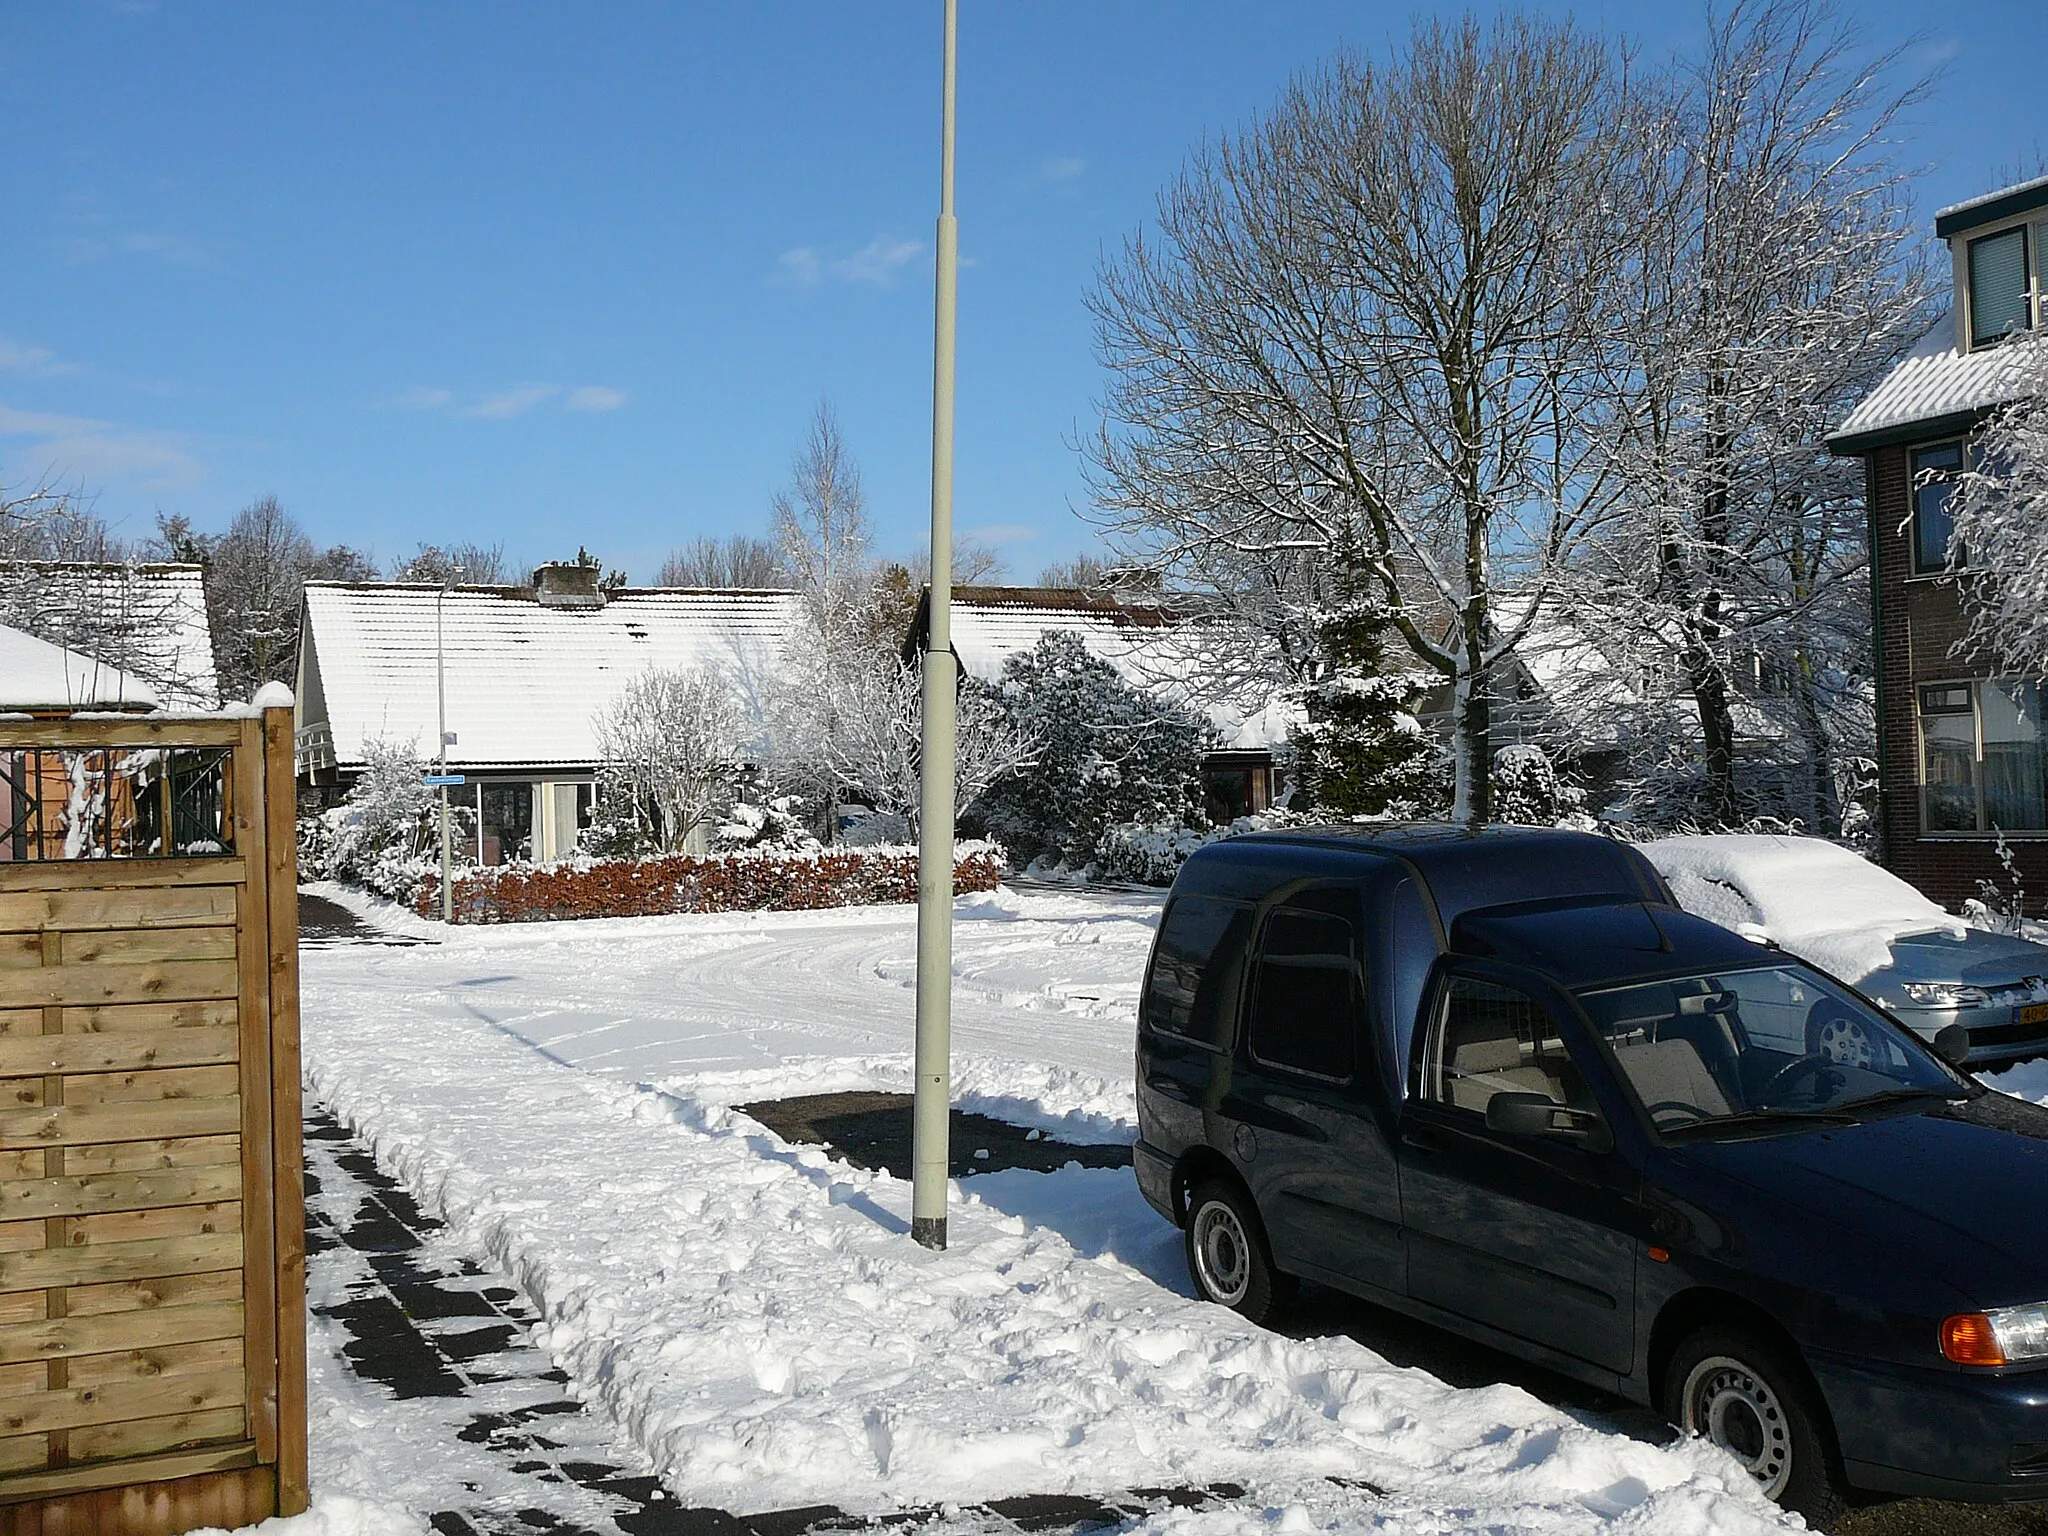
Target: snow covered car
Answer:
[[1494, 1080], [1864, 925]]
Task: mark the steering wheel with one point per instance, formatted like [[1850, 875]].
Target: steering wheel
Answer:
[[1690, 1111], [1791, 1072]]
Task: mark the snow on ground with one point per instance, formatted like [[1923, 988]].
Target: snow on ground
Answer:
[[335, 1515], [754, 1317]]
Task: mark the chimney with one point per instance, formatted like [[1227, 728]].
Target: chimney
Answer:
[[567, 584]]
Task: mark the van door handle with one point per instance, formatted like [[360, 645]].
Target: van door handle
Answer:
[[1422, 1139], [1171, 1088]]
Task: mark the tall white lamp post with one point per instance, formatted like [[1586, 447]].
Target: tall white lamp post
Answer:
[[933, 1069], [441, 718]]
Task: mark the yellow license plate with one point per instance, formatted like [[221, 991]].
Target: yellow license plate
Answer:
[[2034, 1013]]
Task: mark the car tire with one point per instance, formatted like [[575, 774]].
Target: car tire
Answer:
[[1738, 1389], [1227, 1254]]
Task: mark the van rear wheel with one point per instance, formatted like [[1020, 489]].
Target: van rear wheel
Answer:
[[1736, 1388], [1227, 1255]]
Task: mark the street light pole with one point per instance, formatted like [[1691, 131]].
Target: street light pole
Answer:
[[933, 1069], [441, 717]]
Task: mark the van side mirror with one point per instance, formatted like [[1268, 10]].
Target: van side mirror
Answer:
[[1952, 1044], [1534, 1114]]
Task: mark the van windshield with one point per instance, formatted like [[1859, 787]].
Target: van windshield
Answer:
[[1709, 1054]]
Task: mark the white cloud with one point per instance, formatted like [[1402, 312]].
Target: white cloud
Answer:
[[80, 448], [799, 267], [506, 403], [422, 397], [173, 248], [805, 267], [878, 261], [33, 362], [1059, 168], [596, 397]]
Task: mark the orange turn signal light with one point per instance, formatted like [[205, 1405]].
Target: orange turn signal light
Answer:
[[1968, 1339]]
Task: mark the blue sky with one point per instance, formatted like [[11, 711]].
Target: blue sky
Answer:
[[566, 273]]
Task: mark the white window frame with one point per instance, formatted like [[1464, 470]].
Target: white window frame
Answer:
[[1984, 831]]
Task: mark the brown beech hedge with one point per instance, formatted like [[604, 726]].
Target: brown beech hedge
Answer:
[[748, 881]]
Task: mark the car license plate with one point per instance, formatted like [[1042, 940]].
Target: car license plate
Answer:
[[2032, 1013]]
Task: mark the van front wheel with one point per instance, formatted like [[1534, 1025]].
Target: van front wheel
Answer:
[[1227, 1257], [1738, 1390]]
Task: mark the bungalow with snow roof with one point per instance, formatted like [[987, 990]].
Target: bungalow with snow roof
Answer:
[[1152, 648], [147, 621], [527, 670], [1963, 754]]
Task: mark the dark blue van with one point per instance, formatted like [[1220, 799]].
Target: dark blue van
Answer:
[[1496, 1080]]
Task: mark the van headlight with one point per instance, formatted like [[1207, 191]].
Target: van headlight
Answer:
[[1945, 994], [2002, 1336]]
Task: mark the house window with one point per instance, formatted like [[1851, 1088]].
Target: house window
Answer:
[[1999, 292], [1983, 757], [1934, 484]]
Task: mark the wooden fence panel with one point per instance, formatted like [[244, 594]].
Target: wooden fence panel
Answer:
[[152, 1252]]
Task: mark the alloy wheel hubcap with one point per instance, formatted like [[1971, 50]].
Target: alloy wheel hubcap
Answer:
[[1735, 1408], [1222, 1256], [1847, 1043]]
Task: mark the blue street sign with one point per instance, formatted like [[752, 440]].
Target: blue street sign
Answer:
[[432, 779]]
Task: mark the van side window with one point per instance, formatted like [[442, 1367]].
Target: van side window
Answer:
[[1493, 1039], [1192, 991], [1307, 1009]]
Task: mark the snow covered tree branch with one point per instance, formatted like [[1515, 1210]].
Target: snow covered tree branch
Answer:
[[1376, 317], [2000, 507], [671, 741]]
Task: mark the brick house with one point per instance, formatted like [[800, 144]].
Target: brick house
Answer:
[[1963, 753]]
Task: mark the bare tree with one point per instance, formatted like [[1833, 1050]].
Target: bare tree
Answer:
[[65, 578], [875, 754], [46, 522], [739, 561], [672, 740], [2000, 507], [470, 564], [974, 563], [1776, 278], [1376, 317], [821, 530]]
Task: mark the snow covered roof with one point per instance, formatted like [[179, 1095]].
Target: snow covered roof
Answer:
[[1818, 900], [1569, 666], [1934, 385], [2021, 197], [1150, 646], [524, 681], [147, 620], [38, 677]]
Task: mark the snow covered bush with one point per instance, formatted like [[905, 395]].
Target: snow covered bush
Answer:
[[873, 755], [619, 825], [745, 880], [1361, 750], [1147, 852], [1528, 791], [379, 836], [1107, 753], [761, 820]]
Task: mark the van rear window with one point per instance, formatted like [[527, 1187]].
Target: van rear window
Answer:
[[1196, 965]]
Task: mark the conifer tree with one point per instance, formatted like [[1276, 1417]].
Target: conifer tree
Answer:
[[1362, 751]]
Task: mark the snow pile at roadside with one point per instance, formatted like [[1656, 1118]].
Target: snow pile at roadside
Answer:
[[1817, 900], [334, 1515], [754, 1317]]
